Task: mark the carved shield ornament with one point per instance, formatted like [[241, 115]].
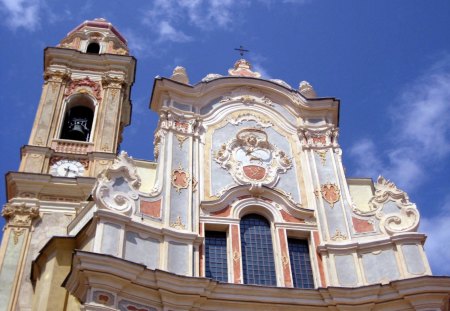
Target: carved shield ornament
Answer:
[[250, 158], [180, 179], [330, 193]]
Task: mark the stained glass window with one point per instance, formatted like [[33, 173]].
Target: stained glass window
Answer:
[[216, 255], [257, 251], [300, 263]]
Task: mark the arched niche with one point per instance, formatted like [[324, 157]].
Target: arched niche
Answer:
[[93, 48], [78, 118]]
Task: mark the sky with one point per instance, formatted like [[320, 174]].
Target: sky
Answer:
[[387, 61]]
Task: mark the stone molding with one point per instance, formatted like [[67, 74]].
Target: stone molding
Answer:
[[91, 271]]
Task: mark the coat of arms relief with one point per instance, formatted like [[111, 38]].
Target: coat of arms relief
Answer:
[[251, 159]]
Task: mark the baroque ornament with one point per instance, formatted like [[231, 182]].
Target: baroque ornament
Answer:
[[85, 84], [244, 117], [180, 179], [330, 193], [339, 236], [117, 188], [323, 138], [20, 214], [251, 159], [391, 206], [323, 156], [178, 224]]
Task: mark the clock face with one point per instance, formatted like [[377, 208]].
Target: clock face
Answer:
[[67, 168]]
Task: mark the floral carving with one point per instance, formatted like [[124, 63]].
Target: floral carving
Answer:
[[85, 84], [330, 193], [251, 159], [117, 188]]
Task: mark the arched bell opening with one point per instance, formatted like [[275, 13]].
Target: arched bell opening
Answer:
[[78, 119], [93, 48]]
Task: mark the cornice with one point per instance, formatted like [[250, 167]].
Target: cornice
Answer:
[[191, 93], [99, 62], [89, 268]]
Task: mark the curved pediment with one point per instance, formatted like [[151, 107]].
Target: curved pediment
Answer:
[[206, 97]]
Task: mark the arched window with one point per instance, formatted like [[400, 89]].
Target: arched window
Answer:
[[77, 124], [93, 48], [257, 251]]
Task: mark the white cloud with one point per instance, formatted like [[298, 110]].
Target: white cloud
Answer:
[[137, 44], [165, 17], [205, 15], [420, 134], [168, 33], [21, 13], [367, 163], [419, 147], [438, 236]]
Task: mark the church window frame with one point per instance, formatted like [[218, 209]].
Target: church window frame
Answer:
[[268, 279], [301, 262], [225, 275], [78, 100]]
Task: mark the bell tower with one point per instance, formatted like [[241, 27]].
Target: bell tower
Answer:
[[84, 107], [84, 104]]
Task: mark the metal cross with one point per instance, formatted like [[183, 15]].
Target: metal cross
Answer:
[[241, 50]]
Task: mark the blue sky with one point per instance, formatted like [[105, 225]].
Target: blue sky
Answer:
[[388, 62]]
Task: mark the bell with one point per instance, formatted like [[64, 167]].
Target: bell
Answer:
[[78, 129]]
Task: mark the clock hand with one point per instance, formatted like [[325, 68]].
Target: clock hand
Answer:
[[67, 171]]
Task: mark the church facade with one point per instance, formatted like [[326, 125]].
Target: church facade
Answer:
[[246, 206]]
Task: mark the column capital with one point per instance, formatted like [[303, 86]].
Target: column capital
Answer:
[[20, 214]]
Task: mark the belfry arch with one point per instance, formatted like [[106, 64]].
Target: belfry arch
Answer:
[[78, 118]]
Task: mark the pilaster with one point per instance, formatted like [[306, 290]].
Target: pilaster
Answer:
[[15, 244]]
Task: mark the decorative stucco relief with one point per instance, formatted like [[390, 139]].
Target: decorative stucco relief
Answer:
[[179, 124], [338, 236], [85, 85], [158, 140], [251, 159], [330, 193], [180, 178], [117, 187], [391, 206], [20, 214], [178, 224], [246, 116], [323, 138]]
